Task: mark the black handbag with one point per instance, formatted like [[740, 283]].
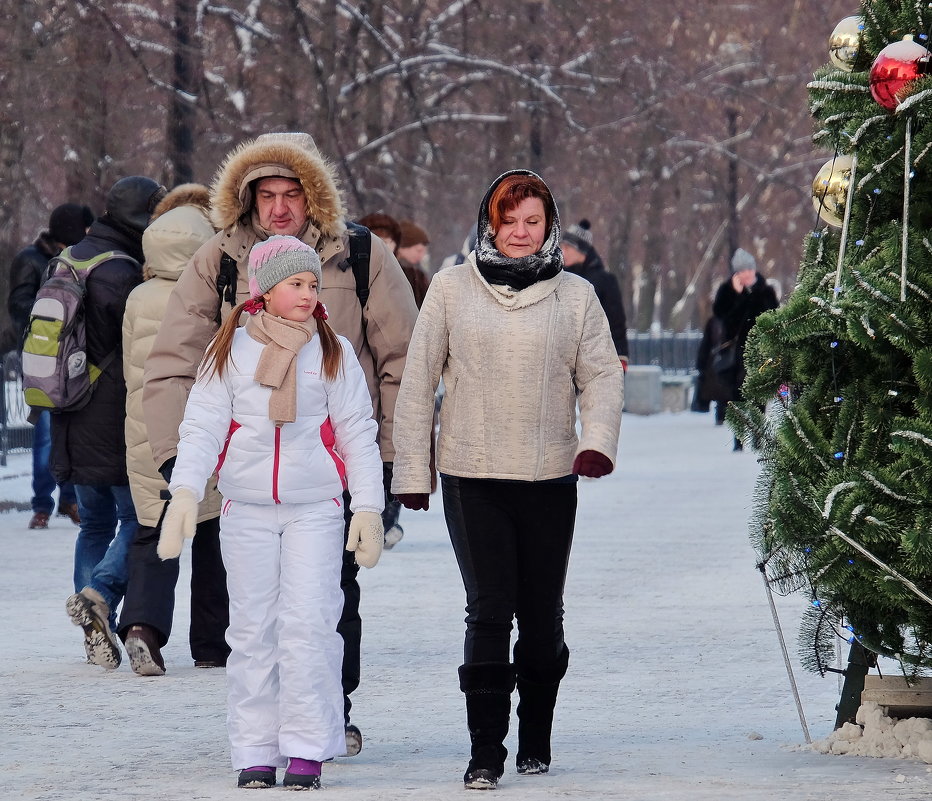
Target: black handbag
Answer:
[[723, 357]]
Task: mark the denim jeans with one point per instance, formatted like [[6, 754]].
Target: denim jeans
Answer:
[[102, 548], [43, 484]]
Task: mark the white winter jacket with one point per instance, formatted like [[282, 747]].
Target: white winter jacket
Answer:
[[514, 366], [332, 440]]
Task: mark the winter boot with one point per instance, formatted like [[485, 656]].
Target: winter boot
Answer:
[[142, 647], [258, 778], [487, 687], [302, 774], [90, 611], [537, 696]]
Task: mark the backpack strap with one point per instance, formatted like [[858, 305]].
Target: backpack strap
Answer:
[[226, 279], [360, 251]]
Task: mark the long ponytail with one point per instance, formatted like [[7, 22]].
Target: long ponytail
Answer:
[[218, 351], [332, 351]]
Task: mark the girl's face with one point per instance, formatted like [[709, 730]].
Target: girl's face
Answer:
[[523, 229], [294, 299]]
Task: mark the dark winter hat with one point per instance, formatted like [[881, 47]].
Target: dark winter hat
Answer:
[[742, 260], [412, 234], [382, 225], [69, 222], [277, 258], [579, 236], [131, 201]]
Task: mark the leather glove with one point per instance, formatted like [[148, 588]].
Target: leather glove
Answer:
[[414, 500], [178, 524], [166, 469], [592, 464], [366, 537]]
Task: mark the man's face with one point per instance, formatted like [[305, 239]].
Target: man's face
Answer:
[[280, 205]]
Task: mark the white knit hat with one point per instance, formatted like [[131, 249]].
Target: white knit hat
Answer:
[[278, 258]]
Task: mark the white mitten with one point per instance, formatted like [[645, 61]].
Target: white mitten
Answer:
[[366, 537], [179, 523]]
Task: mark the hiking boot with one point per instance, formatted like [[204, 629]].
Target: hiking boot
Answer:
[[353, 740], [70, 510], [89, 610], [393, 536], [256, 778], [302, 774], [142, 648], [39, 520]]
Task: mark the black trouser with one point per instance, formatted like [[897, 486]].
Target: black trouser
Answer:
[[350, 625], [512, 542], [150, 591]]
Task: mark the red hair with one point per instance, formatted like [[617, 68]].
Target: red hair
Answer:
[[511, 191]]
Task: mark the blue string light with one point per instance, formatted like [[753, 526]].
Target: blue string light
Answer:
[[839, 455], [835, 344]]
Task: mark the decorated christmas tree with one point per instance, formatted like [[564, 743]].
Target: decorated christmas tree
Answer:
[[838, 395]]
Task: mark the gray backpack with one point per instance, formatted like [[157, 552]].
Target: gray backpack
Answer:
[[56, 372]]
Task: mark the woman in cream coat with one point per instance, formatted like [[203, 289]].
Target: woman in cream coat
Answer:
[[519, 343]]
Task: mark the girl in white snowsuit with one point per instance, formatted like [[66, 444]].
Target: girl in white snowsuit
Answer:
[[282, 412]]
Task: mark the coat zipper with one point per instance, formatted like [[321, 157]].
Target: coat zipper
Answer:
[[275, 464]]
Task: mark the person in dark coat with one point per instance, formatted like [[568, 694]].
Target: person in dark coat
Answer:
[[738, 303], [412, 249], [89, 444], [581, 258], [68, 223]]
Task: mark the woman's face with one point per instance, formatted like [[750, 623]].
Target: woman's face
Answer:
[[523, 229]]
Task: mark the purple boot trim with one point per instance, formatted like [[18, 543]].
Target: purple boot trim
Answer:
[[303, 767]]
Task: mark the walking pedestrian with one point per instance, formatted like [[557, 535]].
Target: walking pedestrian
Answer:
[[283, 403], [68, 224], [179, 226], [280, 184], [518, 342], [88, 444], [739, 301]]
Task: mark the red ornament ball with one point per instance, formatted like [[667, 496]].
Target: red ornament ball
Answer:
[[896, 65]]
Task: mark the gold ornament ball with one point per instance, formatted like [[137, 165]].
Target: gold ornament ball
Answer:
[[830, 189], [845, 42]]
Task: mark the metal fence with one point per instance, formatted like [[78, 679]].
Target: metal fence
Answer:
[[675, 352], [15, 431]]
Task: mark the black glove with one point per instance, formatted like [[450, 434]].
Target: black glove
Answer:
[[166, 469]]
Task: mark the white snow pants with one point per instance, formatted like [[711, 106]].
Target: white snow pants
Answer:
[[284, 692]]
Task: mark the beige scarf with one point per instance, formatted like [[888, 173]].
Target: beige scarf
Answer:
[[276, 368]]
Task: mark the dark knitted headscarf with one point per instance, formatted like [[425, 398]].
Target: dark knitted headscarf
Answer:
[[497, 268]]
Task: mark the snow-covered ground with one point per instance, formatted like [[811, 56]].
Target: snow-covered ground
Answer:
[[676, 689]]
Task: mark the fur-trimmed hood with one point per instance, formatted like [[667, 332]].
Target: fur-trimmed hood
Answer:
[[287, 155], [196, 195]]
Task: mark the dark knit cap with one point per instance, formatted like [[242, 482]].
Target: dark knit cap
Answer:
[[579, 236], [382, 225], [412, 234], [69, 222]]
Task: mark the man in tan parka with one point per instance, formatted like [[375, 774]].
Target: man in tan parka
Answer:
[[280, 184]]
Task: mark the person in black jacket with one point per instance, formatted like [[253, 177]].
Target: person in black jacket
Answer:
[[68, 224], [88, 444], [738, 302], [581, 258]]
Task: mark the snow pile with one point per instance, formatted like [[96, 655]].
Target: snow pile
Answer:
[[877, 735]]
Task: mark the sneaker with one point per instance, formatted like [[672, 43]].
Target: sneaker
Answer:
[[39, 520], [70, 510], [481, 779], [393, 536], [89, 610], [353, 740], [302, 774], [256, 778], [530, 766], [142, 648]]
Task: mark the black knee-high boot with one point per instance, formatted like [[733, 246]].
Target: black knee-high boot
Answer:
[[537, 696], [487, 687]]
